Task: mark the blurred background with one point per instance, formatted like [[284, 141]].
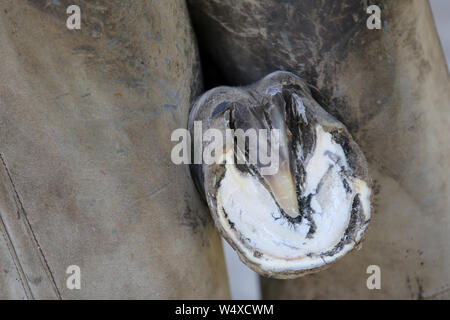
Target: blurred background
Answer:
[[244, 283]]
